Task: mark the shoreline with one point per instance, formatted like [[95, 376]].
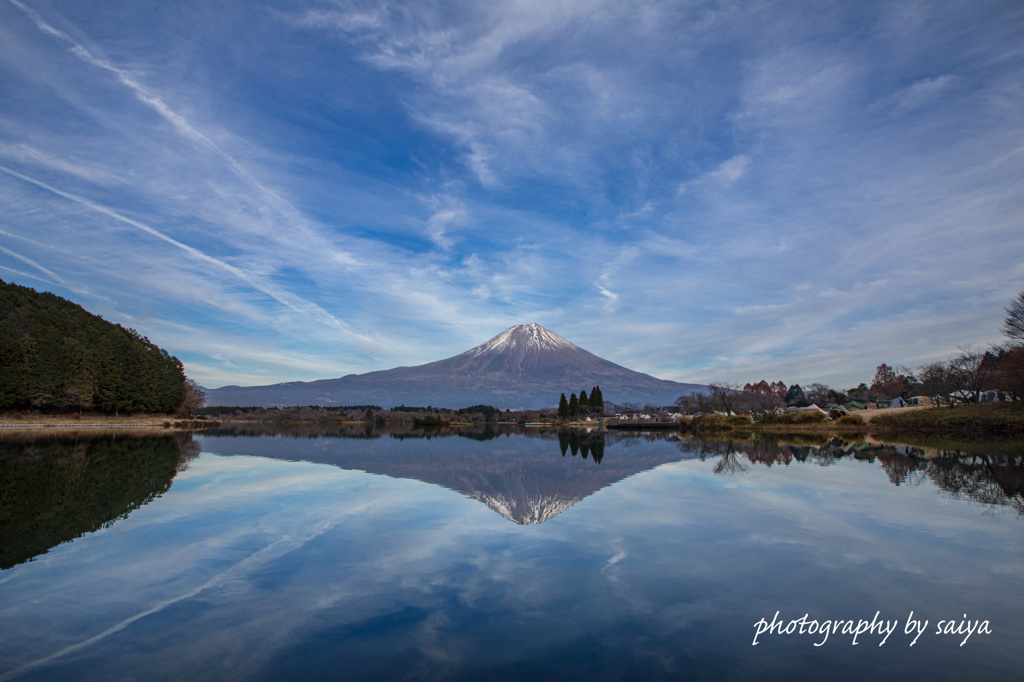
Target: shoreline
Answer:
[[93, 423], [1000, 419]]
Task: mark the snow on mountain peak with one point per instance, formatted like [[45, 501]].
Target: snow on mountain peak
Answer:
[[530, 336]]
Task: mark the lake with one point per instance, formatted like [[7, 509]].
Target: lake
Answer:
[[322, 554]]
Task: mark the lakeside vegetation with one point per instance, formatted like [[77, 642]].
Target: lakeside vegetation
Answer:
[[56, 357], [972, 391], [983, 419]]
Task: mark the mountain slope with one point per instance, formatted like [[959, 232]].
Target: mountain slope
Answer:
[[525, 366]]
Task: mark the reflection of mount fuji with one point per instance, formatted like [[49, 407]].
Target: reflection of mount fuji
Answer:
[[526, 480]]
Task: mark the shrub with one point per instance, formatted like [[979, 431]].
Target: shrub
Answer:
[[850, 419], [796, 418], [719, 422]]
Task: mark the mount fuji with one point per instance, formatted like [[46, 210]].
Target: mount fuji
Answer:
[[525, 366]]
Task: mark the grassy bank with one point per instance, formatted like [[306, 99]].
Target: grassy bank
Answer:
[[966, 421], [984, 418], [810, 422]]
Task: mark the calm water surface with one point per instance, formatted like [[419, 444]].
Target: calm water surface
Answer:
[[318, 555]]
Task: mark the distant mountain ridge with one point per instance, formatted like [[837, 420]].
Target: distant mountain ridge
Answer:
[[525, 366]]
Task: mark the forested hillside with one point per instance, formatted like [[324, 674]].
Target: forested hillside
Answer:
[[57, 357]]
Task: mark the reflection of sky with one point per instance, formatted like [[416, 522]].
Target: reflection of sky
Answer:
[[255, 568]]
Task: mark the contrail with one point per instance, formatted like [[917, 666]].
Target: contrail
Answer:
[[292, 302], [37, 266], [179, 122], [294, 217]]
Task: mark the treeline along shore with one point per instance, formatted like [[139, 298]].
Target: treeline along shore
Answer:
[[983, 419], [58, 358], [973, 391]]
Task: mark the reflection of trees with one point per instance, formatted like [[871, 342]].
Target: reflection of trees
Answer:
[[583, 443], [762, 452], [766, 453], [899, 467], [57, 489], [729, 463], [988, 479], [301, 430]]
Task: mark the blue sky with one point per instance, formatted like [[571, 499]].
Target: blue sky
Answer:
[[703, 191]]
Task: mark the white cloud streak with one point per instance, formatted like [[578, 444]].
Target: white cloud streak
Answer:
[[285, 298]]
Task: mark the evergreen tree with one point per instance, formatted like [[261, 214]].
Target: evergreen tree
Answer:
[[563, 408], [795, 397], [584, 403], [597, 400], [574, 406], [56, 357]]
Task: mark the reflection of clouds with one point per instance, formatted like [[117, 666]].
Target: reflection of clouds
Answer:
[[242, 575], [844, 509], [269, 553]]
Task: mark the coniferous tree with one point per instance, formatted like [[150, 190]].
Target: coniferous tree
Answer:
[[574, 406], [55, 356], [597, 400], [563, 408], [584, 402]]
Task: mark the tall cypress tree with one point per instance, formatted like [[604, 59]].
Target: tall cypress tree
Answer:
[[574, 406], [563, 408], [597, 400]]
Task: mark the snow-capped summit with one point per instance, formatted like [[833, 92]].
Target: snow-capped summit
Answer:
[[528, 336]]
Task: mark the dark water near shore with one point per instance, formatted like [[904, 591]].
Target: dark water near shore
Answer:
[[350, 554]]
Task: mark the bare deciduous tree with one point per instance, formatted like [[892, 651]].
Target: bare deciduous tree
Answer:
[[727, 397], [768, 403], [938, 382], [819, 394], [692, 403], [972, 371], [195, 398], [1013, 325]]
